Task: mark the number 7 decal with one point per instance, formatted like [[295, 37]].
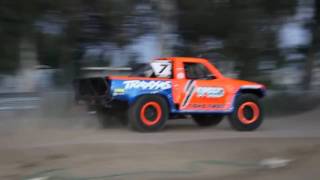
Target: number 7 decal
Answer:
[[164, 66]]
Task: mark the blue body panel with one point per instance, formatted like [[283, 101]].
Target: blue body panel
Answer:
[[130, 90]]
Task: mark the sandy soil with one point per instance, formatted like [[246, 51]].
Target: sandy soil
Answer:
[[75, 148]]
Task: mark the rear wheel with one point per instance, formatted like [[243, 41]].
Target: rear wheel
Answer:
[[207, 120], [248, 113], [148, 113]]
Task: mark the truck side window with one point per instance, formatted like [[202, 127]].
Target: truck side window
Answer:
[[197, 71]]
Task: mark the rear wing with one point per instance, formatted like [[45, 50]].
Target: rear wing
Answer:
[[93, 86]]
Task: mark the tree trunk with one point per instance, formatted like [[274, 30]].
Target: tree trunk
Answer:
[[314, 47]]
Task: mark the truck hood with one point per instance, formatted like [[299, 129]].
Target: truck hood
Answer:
[[244, 84]]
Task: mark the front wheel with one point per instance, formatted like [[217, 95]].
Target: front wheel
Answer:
[[148, 113], [248, 113]]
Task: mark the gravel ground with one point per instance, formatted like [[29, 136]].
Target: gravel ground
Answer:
[[76, 148]]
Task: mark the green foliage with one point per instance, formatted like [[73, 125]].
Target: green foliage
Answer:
[[243, 26], [60, 29]]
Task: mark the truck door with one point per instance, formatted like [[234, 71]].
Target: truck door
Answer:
[[202, 90]]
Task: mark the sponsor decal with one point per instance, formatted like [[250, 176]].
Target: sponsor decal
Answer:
[[118, 91], [205, 106], [180, 75], [147, 85], [210, 92]]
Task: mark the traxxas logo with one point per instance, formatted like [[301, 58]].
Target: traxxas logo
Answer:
[[150, 85]]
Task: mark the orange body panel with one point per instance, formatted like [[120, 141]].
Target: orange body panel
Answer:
[[197, 102]]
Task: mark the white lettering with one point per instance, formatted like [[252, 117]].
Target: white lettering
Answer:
[[210, 92], [150, 85]]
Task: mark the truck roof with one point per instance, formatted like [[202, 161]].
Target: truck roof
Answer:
[[188, 59]]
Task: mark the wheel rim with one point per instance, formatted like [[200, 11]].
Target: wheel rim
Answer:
[[248, 112], [150, 113]]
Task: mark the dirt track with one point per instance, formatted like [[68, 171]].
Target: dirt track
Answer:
[[181, 151]]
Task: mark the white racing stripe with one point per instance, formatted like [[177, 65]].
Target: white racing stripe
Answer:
[[189, 90]]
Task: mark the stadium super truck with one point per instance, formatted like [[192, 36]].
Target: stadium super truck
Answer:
[[173, 88]]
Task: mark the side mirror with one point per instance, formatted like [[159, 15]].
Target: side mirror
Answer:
[[211, 76]]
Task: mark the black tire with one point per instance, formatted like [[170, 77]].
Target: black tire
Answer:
[[238, 119], [149, 105], [207, 120]]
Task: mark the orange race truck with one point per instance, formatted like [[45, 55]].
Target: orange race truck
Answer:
[[175, 87]]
